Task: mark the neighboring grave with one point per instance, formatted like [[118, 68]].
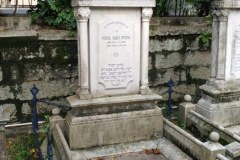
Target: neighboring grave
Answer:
[[221, 95], [113, 103]]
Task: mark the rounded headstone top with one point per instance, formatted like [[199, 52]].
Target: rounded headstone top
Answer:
[[55, 111], [187, 98], [214, 137]]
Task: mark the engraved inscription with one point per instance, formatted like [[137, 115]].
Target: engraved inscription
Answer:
[[236, 64], [115, 68], [116, 75], [236, 55]]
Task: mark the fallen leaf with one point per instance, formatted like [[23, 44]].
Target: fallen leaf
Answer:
[[156, 151], [147, 151]]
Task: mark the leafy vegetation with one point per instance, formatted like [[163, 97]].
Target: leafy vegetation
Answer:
[[59, 13], [198, 8], [205, 38], [54, 13], [21, 147]]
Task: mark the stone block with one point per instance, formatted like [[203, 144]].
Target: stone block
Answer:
[[167, 45], [223, 114], [184, 109], [193, 45], [5, 93], [211, 150], [20, 48], [48, 89], [11, 109], [233, 150], [37, 72], [163, 76], [26, 109], [197, 59], [112, 128], [56, 119], [200, 73], [171, 60]]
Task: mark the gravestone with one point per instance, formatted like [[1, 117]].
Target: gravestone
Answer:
[[113, 103], [221, 95]]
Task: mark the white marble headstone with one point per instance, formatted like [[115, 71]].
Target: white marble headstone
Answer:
[[232, 67], [115, 51]]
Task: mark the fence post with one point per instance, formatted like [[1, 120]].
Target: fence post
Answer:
[[170, 90], [4, 118], [34, 92], [49, 145]]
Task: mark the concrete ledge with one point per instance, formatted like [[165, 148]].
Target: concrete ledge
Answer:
[[224, 114], [114, 3], [12, 33], [183, 138], [204, 126], [62, 148], [75, 101]]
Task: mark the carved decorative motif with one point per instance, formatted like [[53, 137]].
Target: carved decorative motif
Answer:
[[226, 4], [220, 13], [221, 98], [147, 13], [86, 2], [82, 13]]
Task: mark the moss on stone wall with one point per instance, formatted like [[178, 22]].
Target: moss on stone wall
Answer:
[[52, 66], [27, 60]]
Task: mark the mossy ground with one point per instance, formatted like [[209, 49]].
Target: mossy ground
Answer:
[[21, 146]]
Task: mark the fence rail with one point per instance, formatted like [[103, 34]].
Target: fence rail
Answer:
[[19, 3]]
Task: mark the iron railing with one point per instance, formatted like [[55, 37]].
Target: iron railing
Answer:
[[34, 92], [170, 91]]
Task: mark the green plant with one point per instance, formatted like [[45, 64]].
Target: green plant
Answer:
[[58, 13], [199, 8], [21, 147], [205, 38]]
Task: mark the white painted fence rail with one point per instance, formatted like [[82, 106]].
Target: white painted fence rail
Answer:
[[20, 3]]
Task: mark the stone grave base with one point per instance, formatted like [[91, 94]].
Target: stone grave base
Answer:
[[63, 152], [112, 125], [220, 105]]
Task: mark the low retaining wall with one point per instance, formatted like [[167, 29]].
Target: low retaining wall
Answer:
[[211, 150], [183, 139], [201, 125]]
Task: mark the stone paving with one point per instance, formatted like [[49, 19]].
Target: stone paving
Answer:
[[141, 150], [134, 156]]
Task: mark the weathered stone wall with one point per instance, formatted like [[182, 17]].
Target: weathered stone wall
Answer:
[[48, 59], [177, 52], [25, 61]]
